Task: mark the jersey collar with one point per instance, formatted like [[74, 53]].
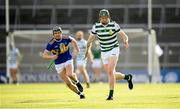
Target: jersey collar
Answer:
[[58, 40]]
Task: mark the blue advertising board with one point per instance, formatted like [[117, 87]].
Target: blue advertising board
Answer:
[[3, 77], [140, 76]]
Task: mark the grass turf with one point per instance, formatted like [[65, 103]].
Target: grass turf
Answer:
[[143, 96]]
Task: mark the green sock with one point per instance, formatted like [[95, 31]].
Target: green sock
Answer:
[[126, 77], [111, 93]]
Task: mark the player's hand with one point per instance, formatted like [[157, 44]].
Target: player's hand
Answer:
[[126, 45], [54, 57]]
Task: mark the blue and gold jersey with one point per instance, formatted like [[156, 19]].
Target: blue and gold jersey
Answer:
[[60, 48]]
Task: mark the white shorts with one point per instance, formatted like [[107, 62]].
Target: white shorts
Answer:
[[97, 63], [13, 66], [81, 63], [61, 67], [105, 55]]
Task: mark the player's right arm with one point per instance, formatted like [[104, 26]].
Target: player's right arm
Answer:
[[90, 40], [89, 43], [47, 52], [46, 55], [122, 35]]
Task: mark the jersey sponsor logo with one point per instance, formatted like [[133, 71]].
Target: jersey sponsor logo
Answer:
[[62, 48], [110, 32]]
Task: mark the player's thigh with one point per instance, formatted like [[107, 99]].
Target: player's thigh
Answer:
[[112, 61], [64, 77], [69, 67], [59, 68], [62, 74], [13, 67], [111, 64], [105, 67], [13, 71], [81, 68], [81, 65]]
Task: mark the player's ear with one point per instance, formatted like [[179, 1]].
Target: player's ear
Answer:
[[99, 19]]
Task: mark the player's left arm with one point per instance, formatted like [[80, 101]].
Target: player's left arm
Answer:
[[90, 40], [75, 45], [124, 37], [89, 43]]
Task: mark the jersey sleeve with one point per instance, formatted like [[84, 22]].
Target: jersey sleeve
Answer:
[[117, 27], [93, 30], [70, 39], [49, 47]]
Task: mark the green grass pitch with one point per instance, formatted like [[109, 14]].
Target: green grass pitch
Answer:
[[54, 95]]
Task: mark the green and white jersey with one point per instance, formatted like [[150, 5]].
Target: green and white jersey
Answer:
[[82, 46], [106, 34], [13, 56]]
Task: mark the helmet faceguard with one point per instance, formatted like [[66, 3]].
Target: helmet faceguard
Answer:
[[57, 29]]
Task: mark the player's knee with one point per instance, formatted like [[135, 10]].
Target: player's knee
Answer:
[[70, 74], [110, 72]]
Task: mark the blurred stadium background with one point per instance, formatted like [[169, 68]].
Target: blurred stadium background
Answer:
[[31, 21]]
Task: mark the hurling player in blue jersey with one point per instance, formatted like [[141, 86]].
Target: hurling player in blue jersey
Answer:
[[58, 46]]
